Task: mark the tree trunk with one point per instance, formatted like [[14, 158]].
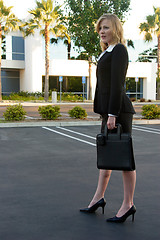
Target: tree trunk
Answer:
[[0, 61], [158, 81], [46, 84], [90, 82], [69, 50], [66, 84]]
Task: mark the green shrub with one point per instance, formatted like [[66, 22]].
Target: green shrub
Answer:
[[49, 112], [151, 111], [69, 97], [77, 112], [33, 96], [24, 96], [14, 113]]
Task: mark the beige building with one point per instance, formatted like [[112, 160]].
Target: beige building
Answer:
[[24, 66]]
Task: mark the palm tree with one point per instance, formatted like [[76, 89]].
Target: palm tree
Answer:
[[68, 43], [148, 55], [8, 22], [47, 19], [150, 27]]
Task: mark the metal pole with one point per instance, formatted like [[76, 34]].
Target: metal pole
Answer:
[[83, 92], [60, 90], [136, 91]]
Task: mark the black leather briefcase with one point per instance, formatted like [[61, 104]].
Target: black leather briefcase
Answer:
[[115, 150]]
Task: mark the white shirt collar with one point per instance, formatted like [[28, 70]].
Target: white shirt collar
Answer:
[[109, 49]]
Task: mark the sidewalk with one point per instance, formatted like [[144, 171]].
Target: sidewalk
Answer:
[[66, 120]]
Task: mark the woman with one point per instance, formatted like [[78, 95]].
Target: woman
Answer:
[[112, 103]]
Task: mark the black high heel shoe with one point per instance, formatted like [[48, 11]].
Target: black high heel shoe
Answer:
[[122, 219], [101, 203]]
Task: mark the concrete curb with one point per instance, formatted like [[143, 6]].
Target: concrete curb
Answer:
[[50, 124], [146, 121], [68, 123], [32, 104]]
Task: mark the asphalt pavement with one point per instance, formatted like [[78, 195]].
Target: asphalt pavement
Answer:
[[48, 173]]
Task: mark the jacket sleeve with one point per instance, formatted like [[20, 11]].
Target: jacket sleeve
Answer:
[[119, 64]]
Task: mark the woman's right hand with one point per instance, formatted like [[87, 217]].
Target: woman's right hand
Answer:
[[111, 122]]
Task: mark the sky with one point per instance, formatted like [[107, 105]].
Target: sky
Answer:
[[139, 10]]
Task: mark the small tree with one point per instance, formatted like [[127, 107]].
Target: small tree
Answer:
[[49, 112], [8, 22], [14, 113], [83, 15], [77, 112]]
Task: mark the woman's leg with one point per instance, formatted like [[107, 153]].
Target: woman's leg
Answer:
[[129, 177], [129, 182], [104, 176]]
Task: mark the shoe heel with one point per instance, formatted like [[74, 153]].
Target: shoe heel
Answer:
[[123, 218], [103, 209], [101, 203], [103, 206]]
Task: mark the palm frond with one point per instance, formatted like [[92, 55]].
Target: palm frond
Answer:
[[39, 4], [157, 10], [152, 25], [9, 20], [5, 11], [37, 13], [54, 40], [151, 20], [144, 27], [148, 37], [42, 32], [130, 43]]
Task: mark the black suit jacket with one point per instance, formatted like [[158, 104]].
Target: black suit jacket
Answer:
[[110, 96]]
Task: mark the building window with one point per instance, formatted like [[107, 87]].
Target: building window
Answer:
[[18, 48], [69, 84], [134, 89], [10, 81]]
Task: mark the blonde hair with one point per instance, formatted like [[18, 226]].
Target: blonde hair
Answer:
[[117, 29]]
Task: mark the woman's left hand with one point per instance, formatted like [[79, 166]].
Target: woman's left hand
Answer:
[[111, 123]]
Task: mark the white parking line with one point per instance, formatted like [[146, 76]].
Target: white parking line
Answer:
[[78, 133], [139, 128], [77, 139], [145, 130]]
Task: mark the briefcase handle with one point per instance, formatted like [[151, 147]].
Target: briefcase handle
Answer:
[[118, 128]]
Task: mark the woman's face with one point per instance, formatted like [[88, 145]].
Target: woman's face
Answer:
[[105, 31]]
